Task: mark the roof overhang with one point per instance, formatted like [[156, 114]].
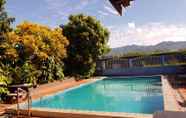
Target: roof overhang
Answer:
[[119, 4]]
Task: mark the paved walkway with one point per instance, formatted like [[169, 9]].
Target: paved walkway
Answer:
[[178, 87], [168, 114], [170, 102]]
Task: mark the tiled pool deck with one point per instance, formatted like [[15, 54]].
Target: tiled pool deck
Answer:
[[171, 95], [170, 102]]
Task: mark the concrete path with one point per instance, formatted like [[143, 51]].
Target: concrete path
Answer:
[[168, 114]]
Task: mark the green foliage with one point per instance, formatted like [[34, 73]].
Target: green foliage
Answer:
[[88, 41], [4, 79], [33, 53], [59, 75], [50, 70], [5, 21], [24, 74]]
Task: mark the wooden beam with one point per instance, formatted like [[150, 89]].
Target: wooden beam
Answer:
[[118, 4]]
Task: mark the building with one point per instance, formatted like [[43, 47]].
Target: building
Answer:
[[161, 63]]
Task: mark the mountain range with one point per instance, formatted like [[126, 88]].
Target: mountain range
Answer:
[[161, 47]]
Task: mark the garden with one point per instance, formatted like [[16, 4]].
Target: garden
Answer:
[[32, 53]]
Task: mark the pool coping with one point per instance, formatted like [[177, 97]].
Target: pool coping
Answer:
[[134, 76], [170, 100], [54, 113], [43, 111]]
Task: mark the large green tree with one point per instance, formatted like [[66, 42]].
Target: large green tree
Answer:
[[5, 20], [5, 23], [88, 41]]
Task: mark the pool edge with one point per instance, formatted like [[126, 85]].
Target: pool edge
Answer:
[[48, 113], [94, 114], [170, 103]]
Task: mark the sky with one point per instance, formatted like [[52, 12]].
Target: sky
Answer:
[[145, 22]]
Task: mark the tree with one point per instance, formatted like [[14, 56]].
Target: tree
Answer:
[[41, 42], [44, 48], [88, 41], [5, 21]]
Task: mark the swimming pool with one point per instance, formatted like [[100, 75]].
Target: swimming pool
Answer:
[[132, 95]]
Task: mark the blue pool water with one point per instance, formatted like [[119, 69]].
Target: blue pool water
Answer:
[[134, 95]]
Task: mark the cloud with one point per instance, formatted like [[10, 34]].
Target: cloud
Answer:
[[148, 34], [61, 9], [110, 10], [102, 13], [131, 25]]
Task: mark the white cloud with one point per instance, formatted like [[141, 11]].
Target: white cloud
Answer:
[[102, 13], [131, 25], [148, 34], [110, 10], [63, 8]]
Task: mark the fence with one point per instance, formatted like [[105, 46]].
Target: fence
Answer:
[[144, 65]]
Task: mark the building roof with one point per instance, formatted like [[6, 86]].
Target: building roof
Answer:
[[118, 4]]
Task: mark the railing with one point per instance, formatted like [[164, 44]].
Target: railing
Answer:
[[146, 61], [17, 95]]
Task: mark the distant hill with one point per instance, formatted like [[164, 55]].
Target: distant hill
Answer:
[[161, 47]]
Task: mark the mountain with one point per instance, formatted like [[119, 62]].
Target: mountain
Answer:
[[161, 47]]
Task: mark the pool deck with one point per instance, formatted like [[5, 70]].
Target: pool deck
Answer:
[[171, 95], [179, 86], [170, 103]]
